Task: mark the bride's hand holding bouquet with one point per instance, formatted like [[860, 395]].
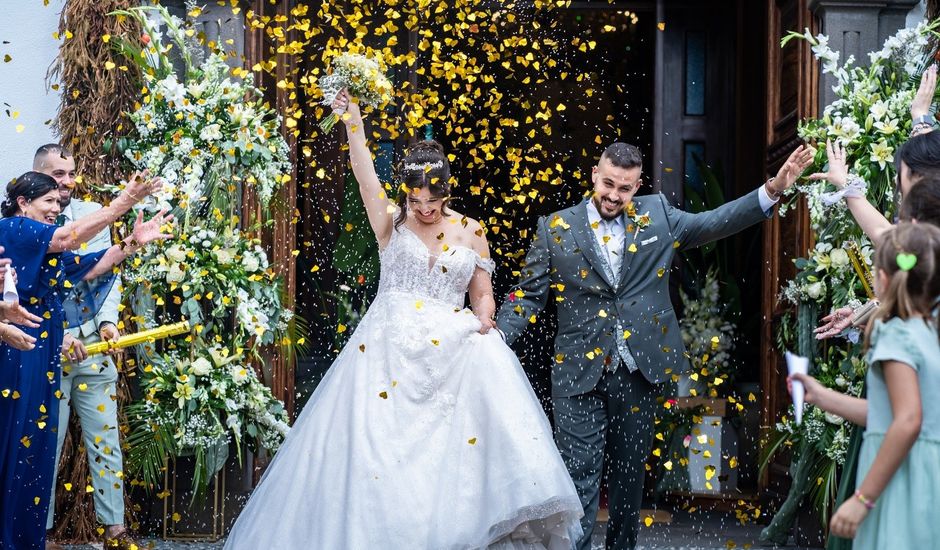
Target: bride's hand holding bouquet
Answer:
[[353, 75]]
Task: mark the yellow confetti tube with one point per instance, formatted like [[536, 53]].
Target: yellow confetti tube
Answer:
[[861, 268], [149, 335]]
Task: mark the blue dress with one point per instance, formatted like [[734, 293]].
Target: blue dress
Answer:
[[50, 285], [906, 513]]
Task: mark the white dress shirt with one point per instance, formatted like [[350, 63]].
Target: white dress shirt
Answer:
[[610, 235]]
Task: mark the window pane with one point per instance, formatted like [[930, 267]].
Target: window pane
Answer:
[[695, 73]]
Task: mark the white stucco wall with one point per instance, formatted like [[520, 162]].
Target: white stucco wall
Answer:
[[27, 26]]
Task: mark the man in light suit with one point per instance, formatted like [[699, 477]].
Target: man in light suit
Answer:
[[607, 262], [89, 383]]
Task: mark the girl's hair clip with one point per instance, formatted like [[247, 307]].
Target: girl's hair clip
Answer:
[[906, 261]]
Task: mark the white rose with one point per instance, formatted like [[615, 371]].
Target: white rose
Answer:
[[176, 253], [201, 367], [815, 290], [839, 258], [250, 263], [224, 256], [175, 274]]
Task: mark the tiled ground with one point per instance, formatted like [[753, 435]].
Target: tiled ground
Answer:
[[701, 531]]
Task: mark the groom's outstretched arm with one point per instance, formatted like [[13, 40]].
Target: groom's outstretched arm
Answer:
[[531, 293], [694, 230]]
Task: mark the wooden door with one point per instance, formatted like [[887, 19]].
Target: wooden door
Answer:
[[792, 91]]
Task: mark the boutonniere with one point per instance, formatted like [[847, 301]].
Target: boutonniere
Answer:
[[640, 221]]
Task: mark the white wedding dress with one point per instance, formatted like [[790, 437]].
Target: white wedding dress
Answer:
[[424, 434]]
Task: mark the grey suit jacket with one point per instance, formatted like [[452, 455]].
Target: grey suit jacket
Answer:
[[564, 260], [109, 308]]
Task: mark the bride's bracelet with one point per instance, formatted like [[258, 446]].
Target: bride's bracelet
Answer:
[[855, 187]]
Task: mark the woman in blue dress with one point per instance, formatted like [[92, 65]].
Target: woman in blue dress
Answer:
[[48, 277]]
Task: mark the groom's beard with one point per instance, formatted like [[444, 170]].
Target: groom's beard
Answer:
[[601, 209]]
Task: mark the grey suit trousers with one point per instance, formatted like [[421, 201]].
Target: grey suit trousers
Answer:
[[595, 431]]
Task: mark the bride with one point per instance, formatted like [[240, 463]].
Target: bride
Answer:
[[425, 432]]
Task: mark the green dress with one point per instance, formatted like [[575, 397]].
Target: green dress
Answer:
[[907, 514]]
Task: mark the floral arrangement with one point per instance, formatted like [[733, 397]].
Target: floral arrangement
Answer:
[[203, 403], [364, 78], [708, 336], [870, 119], [209, 135], [205, 134], [222, 268]]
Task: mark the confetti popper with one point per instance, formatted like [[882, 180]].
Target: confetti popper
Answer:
[[10, 295], [797, 364], [149, 335], [861, 268]]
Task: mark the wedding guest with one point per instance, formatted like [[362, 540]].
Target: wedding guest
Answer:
[[897, 485], [97, 375], [29, 381]]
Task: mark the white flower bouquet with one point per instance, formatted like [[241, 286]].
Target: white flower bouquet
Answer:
[[363, 76], [198, 405]]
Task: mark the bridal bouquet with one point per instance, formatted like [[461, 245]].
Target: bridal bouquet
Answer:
[[362, 76]]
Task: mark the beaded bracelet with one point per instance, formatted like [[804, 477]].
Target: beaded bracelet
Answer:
[[864, 500]]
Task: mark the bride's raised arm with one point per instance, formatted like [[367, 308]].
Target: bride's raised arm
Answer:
[[371, 190]]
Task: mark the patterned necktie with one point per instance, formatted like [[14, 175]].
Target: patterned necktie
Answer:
[[61, 220]]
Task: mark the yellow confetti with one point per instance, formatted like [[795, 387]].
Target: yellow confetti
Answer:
[[383, 395], [472, 441]]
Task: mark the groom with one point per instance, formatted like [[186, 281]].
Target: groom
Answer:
[[607, 262]]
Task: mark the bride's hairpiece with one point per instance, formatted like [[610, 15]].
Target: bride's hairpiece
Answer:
[[424, 166]]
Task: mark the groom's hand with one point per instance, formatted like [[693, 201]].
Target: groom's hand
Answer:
[[798, 161]]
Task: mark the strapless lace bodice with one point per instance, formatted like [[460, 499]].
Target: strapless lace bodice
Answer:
[[408, 266]]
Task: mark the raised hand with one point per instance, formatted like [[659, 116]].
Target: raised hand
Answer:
[[16, 338], [347, 107], [151, 230], [18, 315], [838, 170], [798, 161], [837, 321], [920, 106], [141, 185]]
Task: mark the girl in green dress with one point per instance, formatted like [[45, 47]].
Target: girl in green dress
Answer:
[[898, 493]]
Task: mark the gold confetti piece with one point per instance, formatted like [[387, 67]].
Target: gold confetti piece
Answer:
[[660, 272], [435, 341], [648, 520], [709, 472], [668, 465], [627, 334], [89, 489], [632, 247], [83, 387], [472, 441], [68, 486], [176, 516], [25, 441], [602, 313], [362, 347], [383, 395], [341, 328], [20, 128]]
